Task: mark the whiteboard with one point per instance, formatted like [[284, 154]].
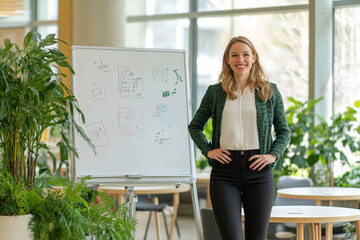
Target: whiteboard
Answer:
[[137, 107]]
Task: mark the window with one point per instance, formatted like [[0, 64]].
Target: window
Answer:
[[14, 14], [45, 17], [346, 57], [212, 5], [169, 34], [280, 36], [281, 41], [46, 10], [151, 7]]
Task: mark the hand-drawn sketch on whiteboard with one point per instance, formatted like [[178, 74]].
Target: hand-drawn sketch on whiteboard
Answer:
[[141, 120], [131, 122], [98, 94], [161, 74], [164, 115], [97, 134], [130, 82], [179, 78], [137, 111], [103, 68]]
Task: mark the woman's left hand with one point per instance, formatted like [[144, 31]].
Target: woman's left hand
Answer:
[[260, 161]]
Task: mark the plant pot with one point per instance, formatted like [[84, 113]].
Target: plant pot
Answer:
[[15, 227]]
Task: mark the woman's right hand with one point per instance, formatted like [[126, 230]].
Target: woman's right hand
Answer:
[[220, 155]]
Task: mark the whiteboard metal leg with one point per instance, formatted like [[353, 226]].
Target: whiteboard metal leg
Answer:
[[131, 200], [196, 209]]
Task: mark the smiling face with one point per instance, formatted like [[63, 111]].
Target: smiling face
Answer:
[[241, 59]]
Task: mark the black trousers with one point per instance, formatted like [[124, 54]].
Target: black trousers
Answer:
[[234, 185]]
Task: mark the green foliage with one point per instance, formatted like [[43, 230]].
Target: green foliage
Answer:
[[331, 138], [108, 223], [202, 162], [301, 120], [318, 141], [74, 210], [350, 178], [33, 98], [13, 198]]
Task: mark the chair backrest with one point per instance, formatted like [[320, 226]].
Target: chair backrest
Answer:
[[145, 204], [290, 181], [209, 225]]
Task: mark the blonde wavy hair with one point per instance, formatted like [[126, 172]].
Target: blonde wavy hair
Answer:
[[257, 79]]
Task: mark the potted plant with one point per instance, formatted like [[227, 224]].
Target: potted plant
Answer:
[[76, 211], [32, 99], [14, 208], [314, 140]]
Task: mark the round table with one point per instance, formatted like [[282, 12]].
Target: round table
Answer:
[[320, 193], [119, 192], [315, 215]]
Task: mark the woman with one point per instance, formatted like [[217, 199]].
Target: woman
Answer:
[[243, 106]]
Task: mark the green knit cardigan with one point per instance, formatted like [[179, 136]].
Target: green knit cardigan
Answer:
[[269, 113]]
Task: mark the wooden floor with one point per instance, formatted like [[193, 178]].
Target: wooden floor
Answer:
[[186, 225]]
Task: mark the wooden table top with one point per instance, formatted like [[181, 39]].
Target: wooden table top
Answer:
[[320, 193], [203, 177], [165, 189], [313, 214]]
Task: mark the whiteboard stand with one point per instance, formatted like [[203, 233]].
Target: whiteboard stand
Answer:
[[196, 209], [137, 104], [131, 199]]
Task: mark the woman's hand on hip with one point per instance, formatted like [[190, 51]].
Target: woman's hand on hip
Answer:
[[221, 155], [260, 161]]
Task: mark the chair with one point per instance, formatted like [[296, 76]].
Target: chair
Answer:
[[209, 225], [290, 182], [288, 228], [145, 204], [168, 200]]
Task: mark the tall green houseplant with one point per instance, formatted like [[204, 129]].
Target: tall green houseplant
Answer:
[[32, 98]]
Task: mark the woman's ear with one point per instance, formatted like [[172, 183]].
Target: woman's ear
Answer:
[[254, 58]]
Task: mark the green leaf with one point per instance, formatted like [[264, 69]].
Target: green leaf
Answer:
[[322, 160], [343, 157], [357, 104], [8, 45], [53, 158], [3, 109], [300, 161], [27, 39], [292, 100], [313, 102]]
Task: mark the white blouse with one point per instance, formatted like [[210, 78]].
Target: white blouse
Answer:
[[239, 130]]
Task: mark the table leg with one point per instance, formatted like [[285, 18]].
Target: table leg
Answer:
[[157, 221], [328, 231], [299, 231], [312, 231], [315, 231], [120, 199], [208, 199], [174, 215], [318, 230], [357, 224]]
